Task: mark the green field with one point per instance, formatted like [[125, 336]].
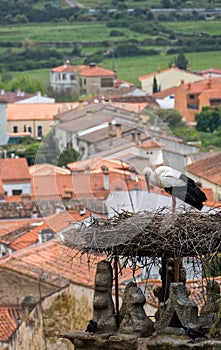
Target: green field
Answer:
[[76, 32], [94, 31], [189, 27], [129, 69]]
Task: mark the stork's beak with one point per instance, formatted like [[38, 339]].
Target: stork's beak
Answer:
[[148, 183]]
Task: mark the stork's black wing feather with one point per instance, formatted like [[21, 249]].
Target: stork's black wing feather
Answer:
[[189, 193], [193, 188]]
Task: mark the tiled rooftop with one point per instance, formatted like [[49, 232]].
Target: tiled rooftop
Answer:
[[9, 315], [208, 168], [208, 85], [14, 170], [39, 111], [87, 71]]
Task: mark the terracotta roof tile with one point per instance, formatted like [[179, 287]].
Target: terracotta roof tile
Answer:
[[197, 290], [2, 191], [51, 186], [57, 263], [8, 324], [14, 170], [29, 238], [87, 71], [47, 169], [203, 85], [210, 71], [165, 93], [67, 68], [208, 168], [150, 144], [37, 111], [97, 72]]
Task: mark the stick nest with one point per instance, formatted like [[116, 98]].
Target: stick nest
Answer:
[[153, 235]]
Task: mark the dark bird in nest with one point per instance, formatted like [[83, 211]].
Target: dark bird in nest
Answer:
[[193, 334], [177, 184], [91, 327]]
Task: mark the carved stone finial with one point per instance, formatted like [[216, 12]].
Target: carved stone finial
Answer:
[[215, 331], [179, 310], [103, 303], [134, 320]]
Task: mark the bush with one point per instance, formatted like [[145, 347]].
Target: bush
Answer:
[[116, 33]]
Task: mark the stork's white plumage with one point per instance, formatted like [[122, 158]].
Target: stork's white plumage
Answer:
[[176, 184]]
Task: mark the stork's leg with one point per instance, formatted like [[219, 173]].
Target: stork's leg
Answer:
[[173, 207]]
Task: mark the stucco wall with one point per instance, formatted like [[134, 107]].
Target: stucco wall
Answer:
[[68, 309]]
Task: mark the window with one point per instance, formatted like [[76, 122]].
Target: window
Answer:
[[72, 77], [191, 106], [30, 129], [16, 192], [192, 97], [39, 131], [107, 82], [15, 129]]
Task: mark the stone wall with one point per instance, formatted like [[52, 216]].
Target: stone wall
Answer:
[[67, 309]]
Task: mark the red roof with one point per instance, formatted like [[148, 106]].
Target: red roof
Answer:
[[14, 170], [208, 168], [97, 72], [37, 111], [67, 68], [8, 317], [210, 71], [86, 71]]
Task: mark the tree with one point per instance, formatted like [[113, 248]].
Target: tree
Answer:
[[172, 118], [209, 119], [68, 155], [156, 88], [24, 83], [48, 151], [180, 61]]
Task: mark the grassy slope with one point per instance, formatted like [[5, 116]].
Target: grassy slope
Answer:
[[128, 69]]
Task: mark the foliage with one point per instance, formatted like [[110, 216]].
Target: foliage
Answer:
[[48, 151], [24, 83], [30, 152], [209, 119], [212, 266], [171, 118], [67, 95], [180, 61], [68, 155], [156, 88]]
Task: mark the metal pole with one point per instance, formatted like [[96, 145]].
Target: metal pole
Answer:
[[116, 290]]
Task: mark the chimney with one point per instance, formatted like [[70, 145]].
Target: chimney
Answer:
[[92, 65], [118, 130], [133, 136], [110, 134], [89, 114], [105, 170], [139, 137], [182, 82], [189, 86]]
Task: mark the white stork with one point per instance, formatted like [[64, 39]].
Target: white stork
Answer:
[[176, 184]]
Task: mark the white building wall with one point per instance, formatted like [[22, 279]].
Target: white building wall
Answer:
[[207, 184], [24, 187], [3, 124]]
